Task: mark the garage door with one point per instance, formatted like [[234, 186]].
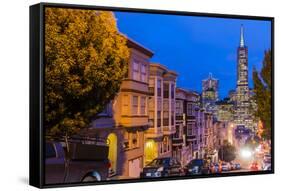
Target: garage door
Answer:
[[134, 168]]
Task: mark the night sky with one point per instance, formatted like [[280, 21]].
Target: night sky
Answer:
[[196, 46]]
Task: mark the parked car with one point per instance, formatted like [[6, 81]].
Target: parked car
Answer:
[[267, 167], [225, 166], [162, 167], [78, 166], [215, 168], [266, 163], [218, 167], [254, 166], [197, 166], [232, 166], [237, 166]]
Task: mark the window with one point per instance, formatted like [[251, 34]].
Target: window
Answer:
[[136, 71], [165, 118], [50, 151], [125, 106], [143, 105], [179, 108], [166, 90], [177, 134], [151, 86], [166, 105], [151, 118], [159, 104], [189, 129], [143, 73], [126, 140], [134, 140], [172, 91], [159, 88], [165, 144], [135, 105], [189, 109], [172, 118], [158, 118]]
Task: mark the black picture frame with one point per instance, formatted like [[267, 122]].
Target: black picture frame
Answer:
[[36, 140]]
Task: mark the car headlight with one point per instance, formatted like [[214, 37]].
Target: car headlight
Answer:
[[160, 169]]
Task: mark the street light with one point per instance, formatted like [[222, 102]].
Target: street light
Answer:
[[246, 153]]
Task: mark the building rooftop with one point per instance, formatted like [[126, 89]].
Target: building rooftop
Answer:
[[133, 44], [167, 71]]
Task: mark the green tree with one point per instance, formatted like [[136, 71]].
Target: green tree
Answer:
[[262, 90], [227, 152], [86, 59]]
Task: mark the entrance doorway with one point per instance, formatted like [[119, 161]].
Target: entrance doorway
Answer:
[[150, 151]]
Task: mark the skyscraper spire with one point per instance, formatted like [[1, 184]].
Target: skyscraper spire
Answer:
[[242, 43]]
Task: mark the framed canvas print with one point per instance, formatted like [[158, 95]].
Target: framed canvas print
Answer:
[[121, 95]]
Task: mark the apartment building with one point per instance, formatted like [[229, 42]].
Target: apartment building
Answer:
[[193, 101], [211, 149], [161, 113], [182, 150], [200, 123], [126, 118]]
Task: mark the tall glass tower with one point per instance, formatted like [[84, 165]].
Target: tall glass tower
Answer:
[[242, 116]]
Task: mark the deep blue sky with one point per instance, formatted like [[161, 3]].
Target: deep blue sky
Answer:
[[194, 46]]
